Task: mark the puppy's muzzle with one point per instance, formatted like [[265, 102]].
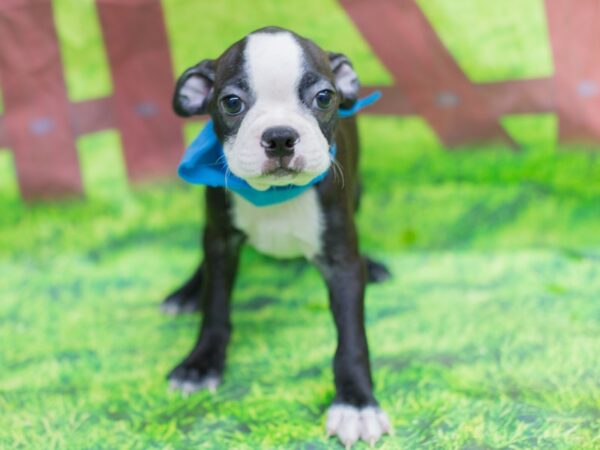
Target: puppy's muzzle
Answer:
[[279, 142]]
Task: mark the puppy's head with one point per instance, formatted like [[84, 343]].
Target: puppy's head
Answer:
[[273, 97]]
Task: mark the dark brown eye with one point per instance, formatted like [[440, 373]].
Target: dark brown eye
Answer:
[[232, 105], [324, 99]]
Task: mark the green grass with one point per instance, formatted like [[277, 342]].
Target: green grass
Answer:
[[87, 74], [216, 27], [488, 336], [494, 41], [102, 166], [8, 181]]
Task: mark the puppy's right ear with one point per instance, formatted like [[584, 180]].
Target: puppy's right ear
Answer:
[[194, 89], [346, 80]]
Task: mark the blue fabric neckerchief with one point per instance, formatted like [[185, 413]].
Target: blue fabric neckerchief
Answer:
[[204, 163]]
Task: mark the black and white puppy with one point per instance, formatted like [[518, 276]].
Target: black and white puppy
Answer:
[[274, 99]]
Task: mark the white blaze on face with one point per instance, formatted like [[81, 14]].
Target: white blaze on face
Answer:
[[274, 65]]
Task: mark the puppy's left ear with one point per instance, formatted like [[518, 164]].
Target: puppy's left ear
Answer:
[[346, 80]]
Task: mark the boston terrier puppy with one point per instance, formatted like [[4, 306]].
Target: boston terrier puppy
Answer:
[[275, 101]]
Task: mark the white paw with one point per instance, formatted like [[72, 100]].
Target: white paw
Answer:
[[349, 424], [189, 386]]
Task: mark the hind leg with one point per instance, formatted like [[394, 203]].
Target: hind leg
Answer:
[[376, 272], [187, 297]]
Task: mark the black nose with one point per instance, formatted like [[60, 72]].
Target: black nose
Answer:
[[279, 141]]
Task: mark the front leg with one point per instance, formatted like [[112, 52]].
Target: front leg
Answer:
[[354, 413], [204, 366]]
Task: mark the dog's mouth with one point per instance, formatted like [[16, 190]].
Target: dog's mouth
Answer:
[[281, 172], [283, 167]]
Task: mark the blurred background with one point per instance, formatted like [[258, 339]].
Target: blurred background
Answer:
[[482, 184]]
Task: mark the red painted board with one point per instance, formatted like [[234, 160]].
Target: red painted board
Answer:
[[426, 72], [392, 102], [575, 37], [138, 53], [3, 137], [36, 119], [531, 96], [90, 116]]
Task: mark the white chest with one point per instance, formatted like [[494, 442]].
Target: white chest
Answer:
[[285, 230]]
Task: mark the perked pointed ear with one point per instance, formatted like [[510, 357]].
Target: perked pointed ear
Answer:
[[346, 80], [194, 88]]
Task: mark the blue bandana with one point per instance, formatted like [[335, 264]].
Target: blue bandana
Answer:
[[204, 163]]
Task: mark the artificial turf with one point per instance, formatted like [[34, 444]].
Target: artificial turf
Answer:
[[488, 335]]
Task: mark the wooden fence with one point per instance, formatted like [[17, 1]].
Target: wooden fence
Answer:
[[430, 83], [40, 124]]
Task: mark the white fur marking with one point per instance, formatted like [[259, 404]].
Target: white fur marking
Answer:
[[285, 230], [349, 424], [274, 67]]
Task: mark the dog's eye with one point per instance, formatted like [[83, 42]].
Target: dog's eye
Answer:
[[232, 104], [324, 99]]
